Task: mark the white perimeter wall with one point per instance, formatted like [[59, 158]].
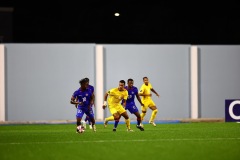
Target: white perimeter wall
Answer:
[[37, 80]]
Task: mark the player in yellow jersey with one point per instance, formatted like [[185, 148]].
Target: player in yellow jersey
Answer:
[[114, 97], [130, 104], [145, 92]]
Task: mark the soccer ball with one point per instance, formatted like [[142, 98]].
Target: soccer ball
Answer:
[[80, 129]]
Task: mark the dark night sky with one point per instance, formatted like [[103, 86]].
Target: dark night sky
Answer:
[[163, 22]]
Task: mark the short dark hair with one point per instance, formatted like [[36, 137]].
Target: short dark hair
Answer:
[[122, 81], [82, 81], [87, 79], [145, 77], [130, 79]]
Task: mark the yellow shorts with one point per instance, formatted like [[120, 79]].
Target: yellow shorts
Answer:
[[116, 108], [147, 103]]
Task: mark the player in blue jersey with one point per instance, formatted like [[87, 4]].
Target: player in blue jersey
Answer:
[[87, 119], [83, 97], [130, 104]]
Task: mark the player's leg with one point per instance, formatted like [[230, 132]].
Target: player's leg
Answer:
[[93, 124], [154, 113], [110, 118], [123, 112], [90, 123], [153, 116], [90, 114], [116, 122], [142, 116], [137, 114], [144, 110], [116, 118], [86, 119], [83, 123], [138, 117], [78, 124], [134, 110], [89, 120], [79, 116], [127, 121]]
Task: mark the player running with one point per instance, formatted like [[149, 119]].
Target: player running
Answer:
[[114, 97], [87, 119], [145, 92], [83, 97], [130, 104]]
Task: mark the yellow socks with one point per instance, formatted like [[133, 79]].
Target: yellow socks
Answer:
[[142, 115], [153, 116], [128, 123], [111, 118]]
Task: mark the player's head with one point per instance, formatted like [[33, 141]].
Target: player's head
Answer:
[[145, 80], [87, 80], [121, 85], [130, 82], [83, 83]]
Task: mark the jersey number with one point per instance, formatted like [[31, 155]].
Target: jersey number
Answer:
[[84, 99]]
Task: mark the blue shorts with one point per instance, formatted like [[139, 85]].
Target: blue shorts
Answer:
[[91, 110], [131, 107], [82, 110]]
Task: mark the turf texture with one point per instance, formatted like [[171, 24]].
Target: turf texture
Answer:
[[180, 141]]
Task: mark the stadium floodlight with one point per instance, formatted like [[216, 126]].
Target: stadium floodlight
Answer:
[[116, 14]]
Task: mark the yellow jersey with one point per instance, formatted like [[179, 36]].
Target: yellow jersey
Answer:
[[116, 96], [146, 89]]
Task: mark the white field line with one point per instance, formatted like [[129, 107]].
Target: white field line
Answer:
[[110, 141]]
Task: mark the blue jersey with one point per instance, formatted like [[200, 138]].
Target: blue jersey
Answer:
[[132, 92], [83, 96], [91, 88]]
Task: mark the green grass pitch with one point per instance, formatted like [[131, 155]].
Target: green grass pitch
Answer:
[[186, 141]]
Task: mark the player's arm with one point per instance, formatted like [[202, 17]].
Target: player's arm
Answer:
[[91, 101], [105, 101], [93, 98], [155, 92], [124, 100], [124, 103], [139, 99], [142, 94], [76, 105], [74, 101]]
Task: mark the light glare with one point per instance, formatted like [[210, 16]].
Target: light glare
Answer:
[[117, 14]]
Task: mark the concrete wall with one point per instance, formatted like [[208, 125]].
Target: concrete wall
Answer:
[[40, 78], [167, 67], [219, 78]]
